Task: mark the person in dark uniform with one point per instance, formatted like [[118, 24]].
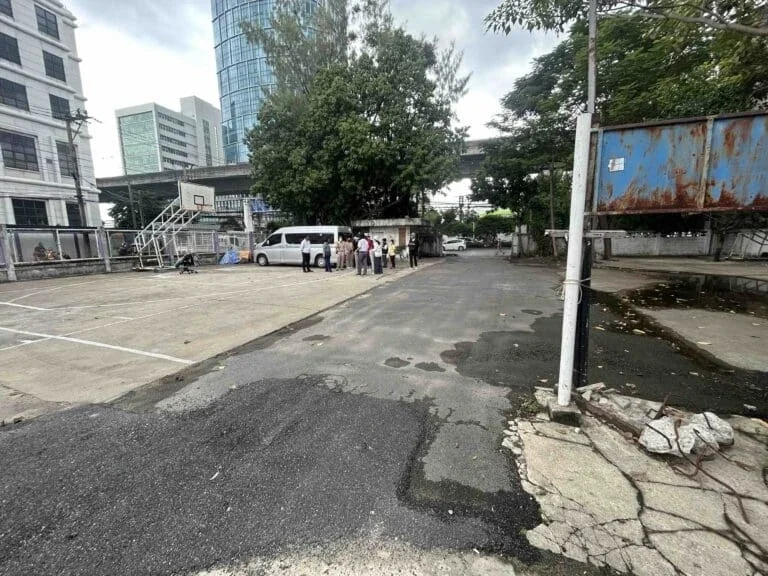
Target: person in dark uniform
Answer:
[[413, 251]]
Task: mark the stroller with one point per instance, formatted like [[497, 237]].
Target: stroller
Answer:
[[186, 264]]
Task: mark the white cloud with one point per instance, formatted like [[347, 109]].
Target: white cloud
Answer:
[[120, 69], [160, 51]]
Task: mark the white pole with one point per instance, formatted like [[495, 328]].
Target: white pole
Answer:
[[573, 268]]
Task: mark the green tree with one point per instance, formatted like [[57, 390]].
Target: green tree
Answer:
[[489, 226], [146, 207], [369, 138], [744, 17]]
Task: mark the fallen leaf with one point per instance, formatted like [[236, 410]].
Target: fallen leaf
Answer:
[[600, 328], [704, 343], [638, 332]]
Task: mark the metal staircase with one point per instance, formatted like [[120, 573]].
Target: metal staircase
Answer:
[[746, 241], [156, 243]]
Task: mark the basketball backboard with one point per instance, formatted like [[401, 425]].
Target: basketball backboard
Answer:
[[196, 197]]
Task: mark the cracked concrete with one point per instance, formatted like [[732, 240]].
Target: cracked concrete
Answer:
[[605, 501]]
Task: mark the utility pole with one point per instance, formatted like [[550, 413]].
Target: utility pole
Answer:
[[461, 208], [79, 120], [576, 294], [130, 201]]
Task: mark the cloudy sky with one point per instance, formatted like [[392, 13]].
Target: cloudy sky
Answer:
[[160, 50]]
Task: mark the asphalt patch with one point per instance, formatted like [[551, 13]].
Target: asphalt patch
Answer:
[[459, 352], [508, 513], [430, 367], [274, 464], [639, 365], [396, 363], [317, 338]]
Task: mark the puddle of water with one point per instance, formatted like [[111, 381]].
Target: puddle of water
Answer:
[[715, 293], [396, 363]]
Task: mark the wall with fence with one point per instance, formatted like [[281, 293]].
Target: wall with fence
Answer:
[[36, 253]]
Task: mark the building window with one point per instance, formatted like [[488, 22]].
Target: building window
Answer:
[[59, 107], [164, 138], [172, 130], [12, 94], [9, 49], [30, 212], [54, 66], [46, 22], [19, 151], [73, 215], [174, 151], [5, 8], [67, 167]]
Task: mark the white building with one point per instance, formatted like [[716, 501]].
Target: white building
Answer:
[[154, 138], [210, 147], [40, 85]]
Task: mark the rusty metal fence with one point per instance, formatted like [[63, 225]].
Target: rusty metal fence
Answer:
[[717, 163]]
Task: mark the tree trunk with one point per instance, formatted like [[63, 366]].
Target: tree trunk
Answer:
[[552, 207]]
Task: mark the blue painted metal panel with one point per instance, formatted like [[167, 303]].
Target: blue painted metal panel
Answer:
[[651, 169], [738, 175], [684, 166]]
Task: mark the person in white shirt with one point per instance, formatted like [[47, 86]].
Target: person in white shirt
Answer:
[[306, 248], [362, 256]]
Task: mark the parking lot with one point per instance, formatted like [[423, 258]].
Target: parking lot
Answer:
[[94, 338]]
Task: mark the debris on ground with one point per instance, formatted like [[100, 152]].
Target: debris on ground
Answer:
[[609, 500]]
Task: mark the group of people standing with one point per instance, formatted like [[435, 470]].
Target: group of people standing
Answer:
[[365, 252]]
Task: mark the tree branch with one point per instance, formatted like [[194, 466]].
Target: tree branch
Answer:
[[716, 22]]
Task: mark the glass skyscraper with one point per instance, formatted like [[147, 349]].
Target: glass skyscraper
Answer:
[[244, 76]]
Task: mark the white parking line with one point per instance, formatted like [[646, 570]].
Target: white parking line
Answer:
[[23, 306], [54, 289], [101, 345]]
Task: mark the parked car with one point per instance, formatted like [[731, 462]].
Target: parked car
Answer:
[[283, 246], [457, 244]]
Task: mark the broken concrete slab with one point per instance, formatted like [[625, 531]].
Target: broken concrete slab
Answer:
[[666, 436], [544, 396], [628, 413], [721, 430], [702, 552], [570, 415], [591, 387], [665, 522]]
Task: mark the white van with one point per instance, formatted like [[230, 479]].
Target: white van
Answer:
[[283, 245]]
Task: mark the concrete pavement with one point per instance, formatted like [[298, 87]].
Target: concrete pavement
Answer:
[[71, 341], [607, 502], [366, 439]]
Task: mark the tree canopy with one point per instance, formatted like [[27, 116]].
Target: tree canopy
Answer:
[[647, 68], [364, 137], [745, 16]]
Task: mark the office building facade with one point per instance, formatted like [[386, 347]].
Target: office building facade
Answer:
[[244, 77], [40, 86], [154, 138]]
